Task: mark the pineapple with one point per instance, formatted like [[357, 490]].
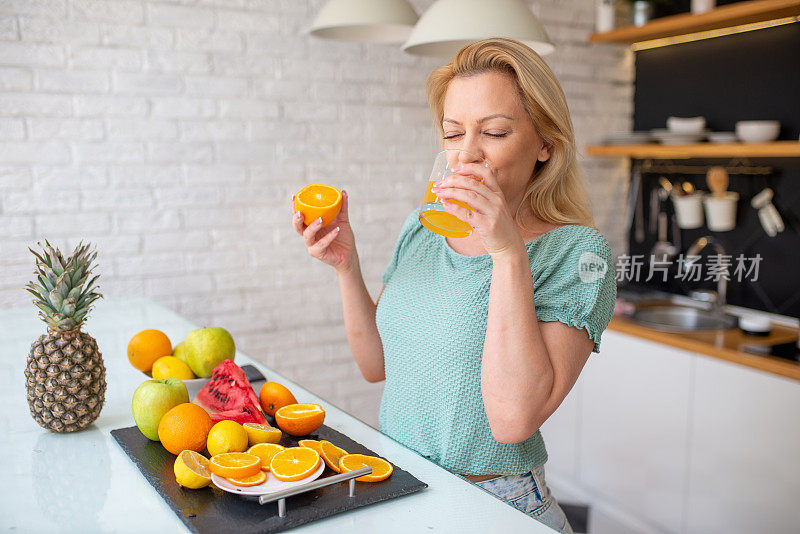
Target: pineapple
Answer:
[[65, 376]]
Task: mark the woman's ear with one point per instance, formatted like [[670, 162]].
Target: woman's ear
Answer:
[[544, 153]]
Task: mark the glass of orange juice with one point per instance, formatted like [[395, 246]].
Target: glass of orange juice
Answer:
[[433, 216]]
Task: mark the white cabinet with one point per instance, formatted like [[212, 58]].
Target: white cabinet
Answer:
[[678, 442], [634, 427], [744, 470]]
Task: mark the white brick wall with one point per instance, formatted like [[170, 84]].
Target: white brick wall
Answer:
[[172, 133]]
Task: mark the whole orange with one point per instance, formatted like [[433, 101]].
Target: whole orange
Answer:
[[318, 201], [274, 396], [146, 347], [184, 427], [300, 419]]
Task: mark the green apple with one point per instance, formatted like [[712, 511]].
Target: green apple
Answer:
[[206, 348], [152, 399], [180, 351]]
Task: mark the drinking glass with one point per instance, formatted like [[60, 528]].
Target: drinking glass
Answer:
[[433, 216]]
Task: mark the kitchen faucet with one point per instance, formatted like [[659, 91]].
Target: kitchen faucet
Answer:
[[717, 300]]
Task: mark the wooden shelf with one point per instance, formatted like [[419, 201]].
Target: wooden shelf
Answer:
[[776, 149], [722, 17]]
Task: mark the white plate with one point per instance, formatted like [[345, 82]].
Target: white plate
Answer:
[[271, 485]]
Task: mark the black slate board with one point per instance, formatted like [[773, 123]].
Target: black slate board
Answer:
[[213, 510]]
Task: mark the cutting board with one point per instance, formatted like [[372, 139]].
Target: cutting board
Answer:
[[213, 510]]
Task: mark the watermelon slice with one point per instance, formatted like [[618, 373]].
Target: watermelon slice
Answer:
[[229, 395]]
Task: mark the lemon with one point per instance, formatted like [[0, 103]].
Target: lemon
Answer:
[[257, 433], [226, 436], [191, 470], [172, 367]]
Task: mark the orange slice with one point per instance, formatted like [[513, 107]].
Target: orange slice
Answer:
[[294, 463], [235, 464], [311, 444], [300, 419], [265, 451], [381, 469], [318, 200], [332, 454], [252, 480]]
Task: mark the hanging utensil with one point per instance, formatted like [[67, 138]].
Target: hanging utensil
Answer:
[[635, 215], [654, 210], [663, 250], [676, 233], [767, 213], [717, 181]]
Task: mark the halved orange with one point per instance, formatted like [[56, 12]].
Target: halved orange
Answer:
[[318, 200], [381, 469], [300, 419], [265, 451], [294, 463], [235, 464], [311, 444], [332, 454], [252, 480]]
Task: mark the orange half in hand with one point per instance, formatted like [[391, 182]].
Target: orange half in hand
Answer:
[[318, 200]]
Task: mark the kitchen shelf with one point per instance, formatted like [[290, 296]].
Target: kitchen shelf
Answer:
[[776, 149], [728, 16]]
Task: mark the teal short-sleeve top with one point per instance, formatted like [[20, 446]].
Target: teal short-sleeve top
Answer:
[[431, 318]]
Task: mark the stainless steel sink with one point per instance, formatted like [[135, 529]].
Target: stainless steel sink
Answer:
[[681, 319]]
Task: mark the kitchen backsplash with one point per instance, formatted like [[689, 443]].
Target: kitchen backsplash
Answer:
[[748, 76]]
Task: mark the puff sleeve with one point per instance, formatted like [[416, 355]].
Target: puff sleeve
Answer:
[[574, 282]]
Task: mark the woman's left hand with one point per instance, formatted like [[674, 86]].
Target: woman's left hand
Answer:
[[476, 185]]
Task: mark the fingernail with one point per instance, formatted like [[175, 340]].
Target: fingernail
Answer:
[[319, 220], [337, 229], [457, 168], [298, 215], [437, 183], [486, 165]]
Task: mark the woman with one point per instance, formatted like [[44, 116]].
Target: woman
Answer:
[[480, 339]]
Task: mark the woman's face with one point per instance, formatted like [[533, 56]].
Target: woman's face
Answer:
[[483, 114]]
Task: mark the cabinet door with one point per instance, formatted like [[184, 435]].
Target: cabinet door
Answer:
[[634, 427], [744, 471]]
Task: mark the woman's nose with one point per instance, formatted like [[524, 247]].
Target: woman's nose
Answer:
[[470, 152]]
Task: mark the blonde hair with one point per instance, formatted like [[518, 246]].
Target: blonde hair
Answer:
[[554, 193]]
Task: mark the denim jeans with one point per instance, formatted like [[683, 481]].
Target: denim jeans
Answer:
[[529, 493]]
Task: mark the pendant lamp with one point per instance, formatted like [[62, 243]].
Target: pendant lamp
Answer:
[[365, 21], [449, 25]]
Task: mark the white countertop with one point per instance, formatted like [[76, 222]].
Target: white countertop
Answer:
[[84, 482]]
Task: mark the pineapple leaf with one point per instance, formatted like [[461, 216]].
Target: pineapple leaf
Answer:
[[39, 258], [45, 282], [32, 290]]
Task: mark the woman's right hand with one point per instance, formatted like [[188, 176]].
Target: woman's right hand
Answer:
[[334, 244]]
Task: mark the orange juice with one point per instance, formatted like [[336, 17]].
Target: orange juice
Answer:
[[434, 218]]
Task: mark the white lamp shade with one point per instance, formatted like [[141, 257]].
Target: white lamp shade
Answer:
[[449, 25], [365, 21]]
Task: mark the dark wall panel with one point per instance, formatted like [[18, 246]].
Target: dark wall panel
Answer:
[[748, 76]]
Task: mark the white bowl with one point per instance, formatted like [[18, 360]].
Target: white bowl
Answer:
[[686, 125], [757, 131]]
